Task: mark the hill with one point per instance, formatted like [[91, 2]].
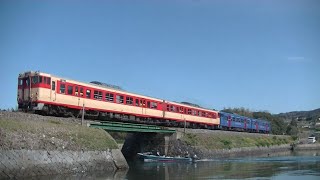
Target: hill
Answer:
[[312, 115]]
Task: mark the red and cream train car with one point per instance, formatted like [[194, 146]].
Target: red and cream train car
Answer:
[[49, 94]]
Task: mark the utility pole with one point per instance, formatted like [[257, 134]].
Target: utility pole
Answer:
[[82, 115]]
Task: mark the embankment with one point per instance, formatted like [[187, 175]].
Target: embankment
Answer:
[[223, 144], [32, 145]]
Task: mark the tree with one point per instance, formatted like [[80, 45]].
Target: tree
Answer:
[[292, 128]]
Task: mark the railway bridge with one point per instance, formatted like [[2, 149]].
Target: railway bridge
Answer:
[[143, 137]]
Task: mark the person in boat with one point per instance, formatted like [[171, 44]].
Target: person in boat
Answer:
[[158, 154], [187, 154]]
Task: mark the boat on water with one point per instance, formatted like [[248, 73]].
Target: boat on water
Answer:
[[148, 157]]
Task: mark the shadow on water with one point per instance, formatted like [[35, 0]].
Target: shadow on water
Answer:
[[284, 165], [120, 174]]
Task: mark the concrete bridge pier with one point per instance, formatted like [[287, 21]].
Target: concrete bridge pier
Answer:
[[147, 142]]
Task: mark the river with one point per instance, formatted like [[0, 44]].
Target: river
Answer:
[[285, 165]]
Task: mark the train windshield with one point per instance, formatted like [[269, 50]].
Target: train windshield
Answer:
[[28, 82], [20, 82], [35, 79]]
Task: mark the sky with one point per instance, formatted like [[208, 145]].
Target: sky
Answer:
[[261, 55]]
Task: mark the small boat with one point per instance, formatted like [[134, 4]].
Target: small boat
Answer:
[[148, 157]]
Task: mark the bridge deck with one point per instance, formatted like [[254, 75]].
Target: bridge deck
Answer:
[[130, 127]]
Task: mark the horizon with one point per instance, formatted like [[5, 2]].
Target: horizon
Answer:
[[262, 56]]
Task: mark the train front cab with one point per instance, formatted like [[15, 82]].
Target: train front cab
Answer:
[[30, 89]]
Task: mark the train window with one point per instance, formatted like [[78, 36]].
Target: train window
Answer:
[[129, 100], [119, 99], [148, 104], [53, 87], [97, 95], [40, 79], [76, 91], [28, 82], [88, 93], [48, 80], [109, 97], [137, 102], [142, 103], [194, 112], [181, 109], [70, 89], [189, 111], [81, 92], [35, 79], [168, 107], [154, 105], [20, 82], [172, 108], [62, 88], [203, 114]]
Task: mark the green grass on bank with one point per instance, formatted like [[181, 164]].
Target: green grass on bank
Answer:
[[233, 140], [52, 135]]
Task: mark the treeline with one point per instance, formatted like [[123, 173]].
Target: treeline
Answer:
[[278, 126], [312, 115]]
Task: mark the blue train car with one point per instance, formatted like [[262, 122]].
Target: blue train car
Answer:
[[234, 122], [231, 121], [264, 126], [259, 125]]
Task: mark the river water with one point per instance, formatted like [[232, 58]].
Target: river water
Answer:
[[303, 165], [297, 165]]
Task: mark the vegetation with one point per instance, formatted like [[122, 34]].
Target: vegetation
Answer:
[[313, 115], [228, 140], [52, 135], [292, 128]]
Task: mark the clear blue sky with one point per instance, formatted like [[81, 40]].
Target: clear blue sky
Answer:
[[262, 55]]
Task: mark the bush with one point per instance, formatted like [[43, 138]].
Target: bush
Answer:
[[226, 143]]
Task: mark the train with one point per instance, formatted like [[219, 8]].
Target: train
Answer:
[[47, 94]]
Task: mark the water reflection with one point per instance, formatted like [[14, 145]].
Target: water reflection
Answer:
[[285, 165], [120, 174], [302, 164]]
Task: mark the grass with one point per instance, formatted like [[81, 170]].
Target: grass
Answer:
[[52, 135], [229, 140]]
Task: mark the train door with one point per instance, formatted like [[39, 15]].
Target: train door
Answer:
[[181, 111], [164, 107], [143, 106], [245, 124], [53, 94], [229, 122], [79, 93], [27, 89]]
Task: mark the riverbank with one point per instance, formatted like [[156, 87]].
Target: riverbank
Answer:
[[208, 144], [32, 145]]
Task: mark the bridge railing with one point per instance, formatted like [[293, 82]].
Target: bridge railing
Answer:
[[130, 127]]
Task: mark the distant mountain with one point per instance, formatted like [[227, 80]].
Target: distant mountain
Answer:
[[312, 115]]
